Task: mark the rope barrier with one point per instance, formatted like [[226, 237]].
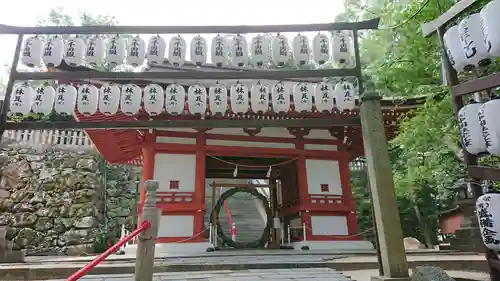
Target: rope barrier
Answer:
[[251, 166]]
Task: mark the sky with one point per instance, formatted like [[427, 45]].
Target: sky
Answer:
[[169, 12]]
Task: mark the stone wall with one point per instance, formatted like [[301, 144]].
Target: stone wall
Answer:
[[55, 201]]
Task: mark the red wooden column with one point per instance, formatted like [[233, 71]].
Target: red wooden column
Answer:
[[199, 189], [303, 189], [148, 155], [346, 191]]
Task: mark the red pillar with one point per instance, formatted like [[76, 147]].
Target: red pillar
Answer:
[[148, 156], [303, 188], [199, 189], [346, 190]]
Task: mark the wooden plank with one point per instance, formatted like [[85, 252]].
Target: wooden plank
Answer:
[[249, 185], [429, 28], [476, 85], [197, 75], [369, 24], [483, 173], [196, 124]]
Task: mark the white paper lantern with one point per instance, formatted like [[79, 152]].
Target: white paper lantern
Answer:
[[109, 99], [472, 39], [345, 96], [323, 97], [470, 130], [491, 22], [454, 49], [301, 49], [487, 211], [154, 99], [74, 52], [136, 51], [280, 98], [341, 47], [199, 50], [32, 52], [197, 99], [53, 51], [219, 51], [115, 52], [96, 49], [260, 50], [259, 98], [217, 96], [240, 102], [157, 47], [65, 99], [239, 50], [280, 49], [88, 99], [43, 103], [130, 100], [321, 48], [490, 128], [21, 100], [177, 51], [302, 97], [175, 99]]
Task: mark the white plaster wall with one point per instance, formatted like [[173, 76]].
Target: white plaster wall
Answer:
[[329, 225], [309, 146], [250, 144], [176, 140], [179, 167], [176, 226], [323, 172]]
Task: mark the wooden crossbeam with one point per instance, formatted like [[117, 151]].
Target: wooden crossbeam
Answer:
[[429, 28]]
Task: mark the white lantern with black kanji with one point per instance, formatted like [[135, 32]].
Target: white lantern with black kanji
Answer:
[[74, 53], [53, 51], [323, 97], [177, 51], [239, 50], [109, 99], [472, 39], [198, 50], [260, 50], [491, 21], [489, 219], [280, 98], [302, 97], [157, 47], [197, 99], [454, 50], [341, 47], [154, 99], [280, 49], [130, 100], [490, 129], [470, 129], [345, 96], [175, 98], [88, 99], [32, 52], [217, 96], [301, 49], [43, 102], [219, 51], [239, 99], [65, 99], [259, 98], [321, 48], [21, 100], [96, 49], [116, 50], [136, 51]]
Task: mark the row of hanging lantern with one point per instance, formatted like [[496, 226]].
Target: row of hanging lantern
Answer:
[[109, 99], [475, 41], [117, 50]]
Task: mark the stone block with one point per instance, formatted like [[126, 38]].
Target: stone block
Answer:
[[430, 273], [385, 278]]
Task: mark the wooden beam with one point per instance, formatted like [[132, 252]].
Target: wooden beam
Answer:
[[483, 173], [203, 29], [196, 124], [429, 28], [476, 85], [279, 74], [249, 185]]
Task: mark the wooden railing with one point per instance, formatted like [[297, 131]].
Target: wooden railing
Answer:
[[76, 139]]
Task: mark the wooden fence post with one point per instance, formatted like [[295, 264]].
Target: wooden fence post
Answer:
[[145, 258]]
